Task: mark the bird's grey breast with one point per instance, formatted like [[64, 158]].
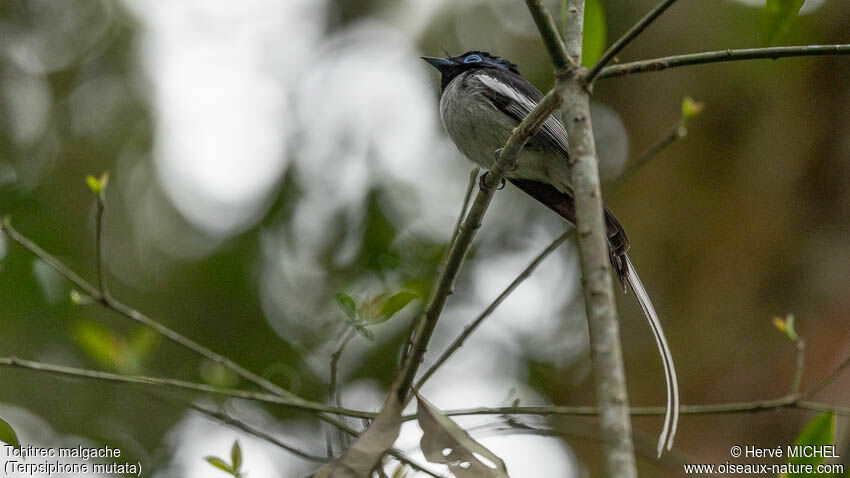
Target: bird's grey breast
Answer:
[[475, 126], [478, 127]]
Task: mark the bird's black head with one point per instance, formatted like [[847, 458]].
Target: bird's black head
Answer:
[[453, 66]]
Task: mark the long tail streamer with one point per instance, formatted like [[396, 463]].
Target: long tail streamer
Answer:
[[671, 417]]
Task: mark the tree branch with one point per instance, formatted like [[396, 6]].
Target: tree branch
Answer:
[[108, 302], [296, 403], [624, 40], [606, 353], [334, 394], [677, 132], [787, 401], [226, 419], [772, 53], [505, 161], [472, 326], [829, 379], [98, 240]]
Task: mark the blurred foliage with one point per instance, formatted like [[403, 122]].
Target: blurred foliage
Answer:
[[777, 18], [747, 218]]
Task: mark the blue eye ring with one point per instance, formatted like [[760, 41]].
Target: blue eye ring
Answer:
[[473, 59]]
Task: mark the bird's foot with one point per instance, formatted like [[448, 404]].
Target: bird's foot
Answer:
[[508, 167], [482, 182]]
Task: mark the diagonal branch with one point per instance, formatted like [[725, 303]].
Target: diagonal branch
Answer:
[[505, 161], [829, 378], [679, 131], [334, 394], [772, 53], [227, 419], [106, 301], [472, 326], [624, 40]]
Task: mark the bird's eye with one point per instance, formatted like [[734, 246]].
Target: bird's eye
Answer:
[[472, 59]]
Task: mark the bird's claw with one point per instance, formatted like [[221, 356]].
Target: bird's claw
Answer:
[[482, 182], [507, 167]]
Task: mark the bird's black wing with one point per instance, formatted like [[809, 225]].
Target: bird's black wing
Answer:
[[516, 97], [564, 205]]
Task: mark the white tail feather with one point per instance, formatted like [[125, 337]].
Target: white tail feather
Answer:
[[671, 417]]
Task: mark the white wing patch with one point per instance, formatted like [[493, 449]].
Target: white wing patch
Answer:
[[498, 86]]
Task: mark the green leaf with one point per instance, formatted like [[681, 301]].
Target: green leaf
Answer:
[[786, 326], [100, 344], [777, 16], [369, 311], [8, 435], [397, 302], [236, 456], [347, 304], [143, 343], [218, 375], [98, 185], [690, 108], [595, 33], [382, 308], [78, 298], [819, 432], [93, 183], [219, 463]]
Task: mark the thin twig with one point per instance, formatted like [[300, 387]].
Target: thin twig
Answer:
[[786, 401], [296, 403], [624, 40], [98, 240], [334, 393], [675, 61], [225, 418], [829, 379], [110, 303], [505, 161], [50, 260], [800, 345], [472, 326], [470, 188], [677, 132]]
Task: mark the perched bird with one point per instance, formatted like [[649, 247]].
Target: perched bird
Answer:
[[483, 98]]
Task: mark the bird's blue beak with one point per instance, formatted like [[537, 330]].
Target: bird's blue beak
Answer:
[[438, 63]]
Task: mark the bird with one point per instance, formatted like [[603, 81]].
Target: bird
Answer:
[[483, 98]]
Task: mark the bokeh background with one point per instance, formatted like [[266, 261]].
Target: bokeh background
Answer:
[[267, 155]]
